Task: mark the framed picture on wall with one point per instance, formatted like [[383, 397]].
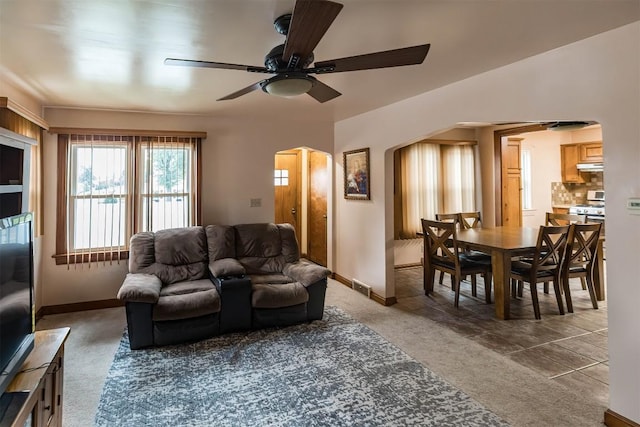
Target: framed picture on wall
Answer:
[[356, 174]]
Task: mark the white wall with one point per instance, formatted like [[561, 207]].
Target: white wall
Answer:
[[544, 147], [237, 158], [594, 79]]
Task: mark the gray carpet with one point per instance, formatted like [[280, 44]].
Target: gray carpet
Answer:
[[334, 372]]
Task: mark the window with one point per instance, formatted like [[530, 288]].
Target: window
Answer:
[[114, 186], [281, 177], [432, 178]]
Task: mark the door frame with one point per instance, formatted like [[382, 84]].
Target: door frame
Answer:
[[498, 150]]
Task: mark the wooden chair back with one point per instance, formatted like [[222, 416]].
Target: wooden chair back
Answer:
[[550, 249], [582, 246], [564, 219], [449, 217], [470, 220], [440, 243]]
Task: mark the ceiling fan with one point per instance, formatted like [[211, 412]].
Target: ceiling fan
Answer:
[[290, 61]]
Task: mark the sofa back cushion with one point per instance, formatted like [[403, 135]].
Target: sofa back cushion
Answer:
[[264, 248], [221, 241], [174, 255]]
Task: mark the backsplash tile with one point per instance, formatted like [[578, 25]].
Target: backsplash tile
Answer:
[[566, 193]]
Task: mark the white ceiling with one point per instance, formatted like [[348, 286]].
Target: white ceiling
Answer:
[[108, 54]]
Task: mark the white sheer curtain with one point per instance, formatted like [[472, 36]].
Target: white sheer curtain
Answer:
[[458, 171], [434, 178]]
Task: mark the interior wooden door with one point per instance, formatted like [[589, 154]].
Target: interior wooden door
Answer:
[[287, 189], [511, 184], [317, 208]]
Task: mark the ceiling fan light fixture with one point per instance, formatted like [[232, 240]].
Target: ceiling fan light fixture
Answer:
[[288, 85], [567, 125]]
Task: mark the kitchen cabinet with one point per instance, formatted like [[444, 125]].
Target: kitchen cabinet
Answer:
[[572, 154], [590, 152], [569, 159]]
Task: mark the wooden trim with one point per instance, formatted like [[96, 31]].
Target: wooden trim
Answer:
[[63, 258], [198, 206], [23, 112], [382, 300], [613, 419], [377, 298], [448, 142], [127, 132], [410, 265], [61, 198], [79, 306]]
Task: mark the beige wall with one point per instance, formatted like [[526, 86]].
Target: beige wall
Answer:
[[237, 158], [594, 79]]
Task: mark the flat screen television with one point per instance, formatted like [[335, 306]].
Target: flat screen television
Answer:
[[16, 295]]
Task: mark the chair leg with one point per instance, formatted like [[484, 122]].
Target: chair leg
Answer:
[[456, 285], [567, 293], [428, 278], [487, 287], [513, 288], [592, 292], [556, 288], [473, 286], [546, 287], [534, 299], [520, 288], [584, 285], [441, 279]]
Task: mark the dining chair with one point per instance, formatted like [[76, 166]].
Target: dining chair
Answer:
[[470, 220], [441, 252], [545, 264], [580, 259], [455, 218], [552, 218]]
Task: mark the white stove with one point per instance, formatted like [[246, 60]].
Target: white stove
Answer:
[[589, 210], [594, 208]]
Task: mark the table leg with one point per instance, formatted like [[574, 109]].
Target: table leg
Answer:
[[501, 266], [598, 272]]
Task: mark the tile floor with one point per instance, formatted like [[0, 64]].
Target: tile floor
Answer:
[[569, 349]]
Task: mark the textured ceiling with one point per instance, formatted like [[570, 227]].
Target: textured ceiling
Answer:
[[109, 54]]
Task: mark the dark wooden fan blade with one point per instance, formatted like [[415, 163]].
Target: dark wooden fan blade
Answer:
[[389, 58], [323, 93], [208, 64], [241, 92], [309, 21]]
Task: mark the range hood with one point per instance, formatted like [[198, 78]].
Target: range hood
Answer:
[[590, 167]]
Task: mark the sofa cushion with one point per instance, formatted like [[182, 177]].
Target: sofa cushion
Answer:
[[260, 265], [180, 255], [270, 278], [290, 249], [141, 251], [278, 295], [177, 302], [221, 241], [257, 240]]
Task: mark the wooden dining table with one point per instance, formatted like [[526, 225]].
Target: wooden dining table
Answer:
[[503, 243]]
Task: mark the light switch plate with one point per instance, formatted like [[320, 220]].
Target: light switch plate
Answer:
[[256, 203]]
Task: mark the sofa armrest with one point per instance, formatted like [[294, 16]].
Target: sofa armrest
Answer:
[[138, 287], [305, 272], [226, 267]]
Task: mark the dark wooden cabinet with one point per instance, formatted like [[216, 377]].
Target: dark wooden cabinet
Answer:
[[15, 161], [41, 378]]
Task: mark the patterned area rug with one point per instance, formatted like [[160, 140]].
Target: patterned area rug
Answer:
[[333, 372]]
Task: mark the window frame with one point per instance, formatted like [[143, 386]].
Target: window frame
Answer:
[[133, 219]]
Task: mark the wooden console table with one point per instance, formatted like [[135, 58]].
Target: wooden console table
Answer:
[[39, 382]]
